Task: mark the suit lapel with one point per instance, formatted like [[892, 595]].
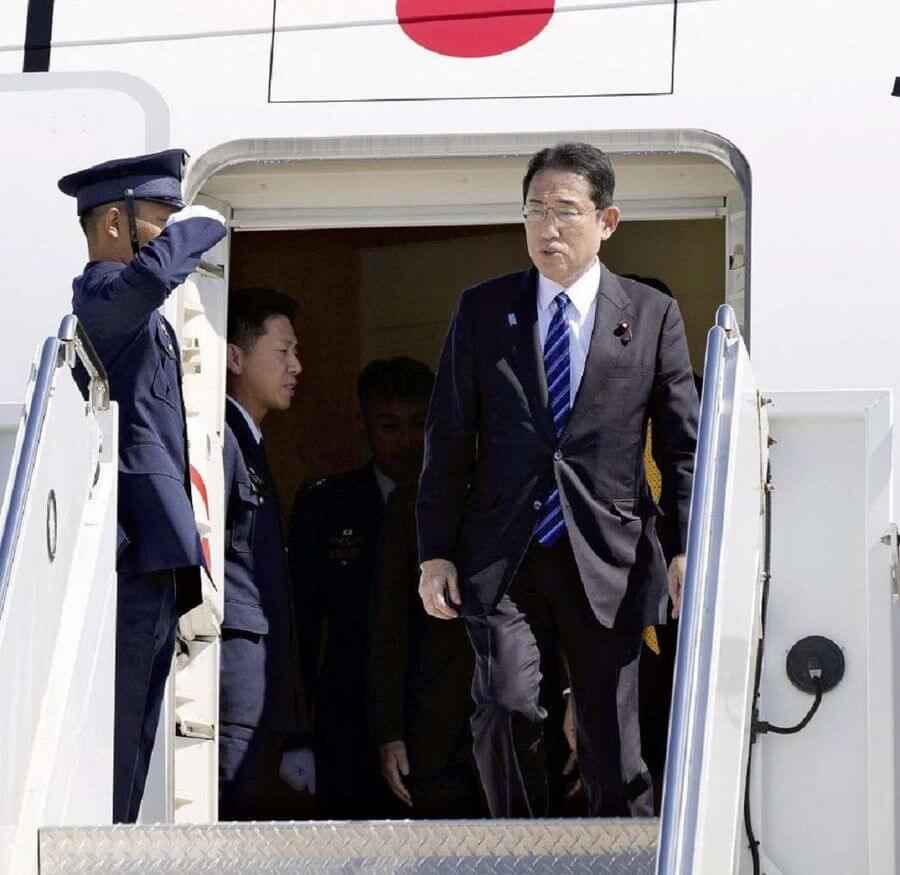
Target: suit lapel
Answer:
[[606, 345], [254, 453], [527, 358], [249, 448]]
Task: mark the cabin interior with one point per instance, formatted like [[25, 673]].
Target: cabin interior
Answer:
[[376, 254]]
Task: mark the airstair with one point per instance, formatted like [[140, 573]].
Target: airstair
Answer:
[[57, 598], [55, 819]]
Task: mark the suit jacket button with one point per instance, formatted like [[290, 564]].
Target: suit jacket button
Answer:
[[537, 505], [558, 455]]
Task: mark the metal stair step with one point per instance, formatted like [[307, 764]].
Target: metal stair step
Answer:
[[598, 846]]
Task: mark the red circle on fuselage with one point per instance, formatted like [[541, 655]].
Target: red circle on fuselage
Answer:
[[473, 28]]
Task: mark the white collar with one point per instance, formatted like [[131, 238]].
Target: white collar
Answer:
[[385, 484], [581, 293], [254, 428]]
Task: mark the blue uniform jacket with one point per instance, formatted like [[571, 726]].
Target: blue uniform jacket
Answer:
[[117, 304], [260, 682]]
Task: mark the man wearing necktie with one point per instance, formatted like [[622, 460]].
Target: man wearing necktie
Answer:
[[535, 520], [265, 754]]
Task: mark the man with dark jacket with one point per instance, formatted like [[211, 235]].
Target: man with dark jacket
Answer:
[[420, 679], [335, 530], [264, 755], [534, 516], [143, 242]]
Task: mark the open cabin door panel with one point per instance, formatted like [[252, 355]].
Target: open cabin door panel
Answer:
[[189, 724], [834, 783]]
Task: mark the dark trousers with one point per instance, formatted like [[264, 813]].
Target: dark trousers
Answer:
[[452, 793], [348, 783], [146, 622], [250, 786], [516, 648]]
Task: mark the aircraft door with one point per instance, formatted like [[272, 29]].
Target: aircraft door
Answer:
[[736, 264], [199, 312]]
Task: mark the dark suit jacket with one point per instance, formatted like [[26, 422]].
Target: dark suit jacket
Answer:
[[335, 527], [492, 457], [420, 668], [260, 683], [117, 304]]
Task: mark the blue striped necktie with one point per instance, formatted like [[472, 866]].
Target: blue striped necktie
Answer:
[[551, 525]]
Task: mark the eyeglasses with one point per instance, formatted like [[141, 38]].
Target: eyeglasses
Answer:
[[563, 215]]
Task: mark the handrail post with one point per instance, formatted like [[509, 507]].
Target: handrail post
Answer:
[[689, 702], [78, 346]]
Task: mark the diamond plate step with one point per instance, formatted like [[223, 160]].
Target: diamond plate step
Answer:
[[459, 847]]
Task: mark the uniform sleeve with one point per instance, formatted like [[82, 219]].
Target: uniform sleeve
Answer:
[[389, 635], [304, 563], [673, 412], [118, 303], [450, 440]]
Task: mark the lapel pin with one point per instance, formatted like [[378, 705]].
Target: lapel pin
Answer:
[[512, 318], [623, 331]]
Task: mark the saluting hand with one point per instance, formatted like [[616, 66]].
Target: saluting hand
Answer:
[[438, 588], [676, 583], [394, 767]]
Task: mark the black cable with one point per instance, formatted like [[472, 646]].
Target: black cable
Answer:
[[757, 726], [763, 727], [752, 841]]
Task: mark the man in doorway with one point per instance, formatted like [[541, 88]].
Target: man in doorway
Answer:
[[534, 516], [334, 537], [264, 744], [420, 674], [143, 241]]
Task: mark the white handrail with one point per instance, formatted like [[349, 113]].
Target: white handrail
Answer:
[[71, 344], [695, 634]]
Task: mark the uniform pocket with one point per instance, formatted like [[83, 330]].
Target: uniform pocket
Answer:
[[165, 383], [243, 617], [244, 518]]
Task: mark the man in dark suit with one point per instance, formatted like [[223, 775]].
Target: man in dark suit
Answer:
[[333, 549], [264, 753], [535, 520], [142, 243], [420, 676]]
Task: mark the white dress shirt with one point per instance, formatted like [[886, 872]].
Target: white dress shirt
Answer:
[[580, 315], [385, 485], [254, 428]]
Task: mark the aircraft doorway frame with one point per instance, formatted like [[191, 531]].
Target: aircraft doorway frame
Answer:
[[650, 142]]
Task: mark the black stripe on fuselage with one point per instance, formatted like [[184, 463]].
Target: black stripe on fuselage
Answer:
[[38, 35]]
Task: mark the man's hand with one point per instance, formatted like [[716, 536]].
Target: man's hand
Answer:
[[438, 586], [195, 211], [394, 767], [676, 582], [298, 768], [571, 766]]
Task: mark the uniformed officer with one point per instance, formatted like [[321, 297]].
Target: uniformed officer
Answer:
[[333, 547], [143, 241], [264, 749], [420, 679]]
